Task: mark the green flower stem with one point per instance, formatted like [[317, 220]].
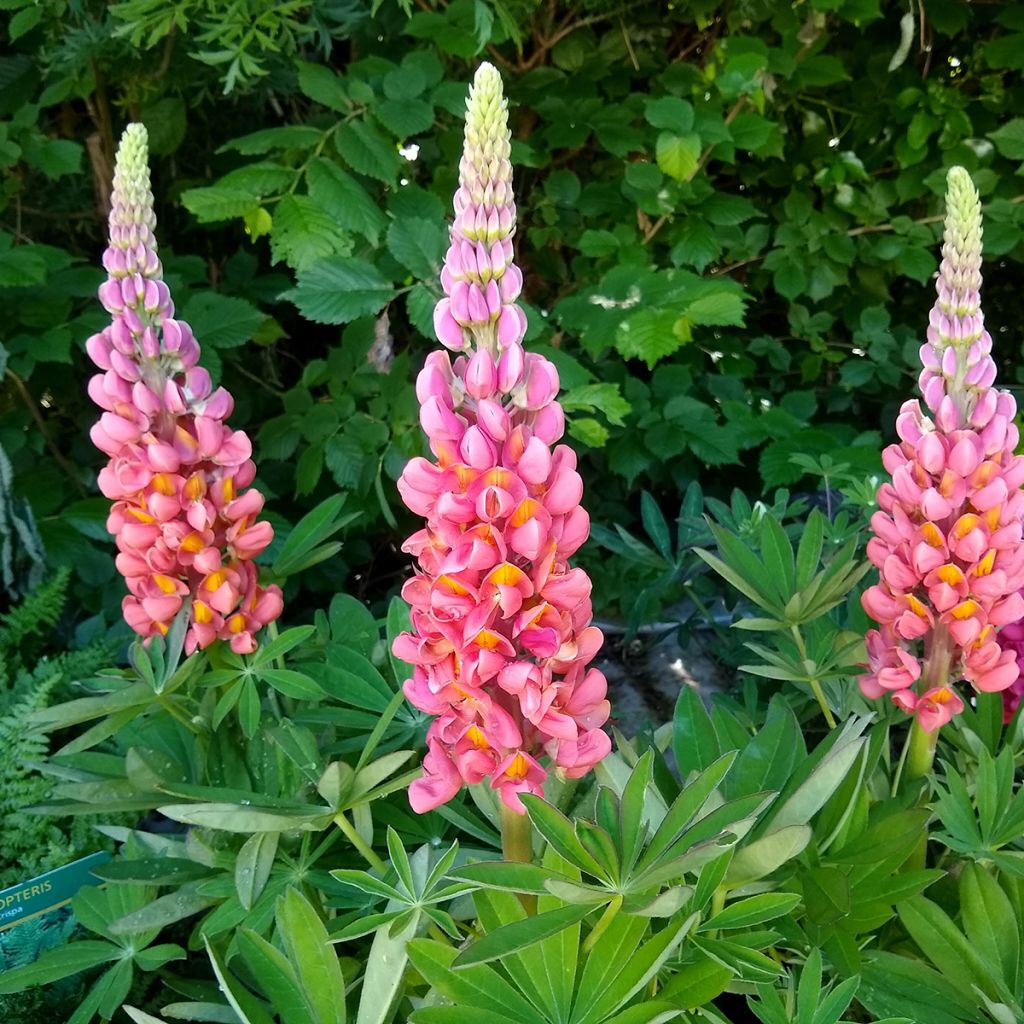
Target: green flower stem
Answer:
[[517, 845], [819, 693], [357, 841], [603, 922], [920, 751], [815, 684], [920, 755]]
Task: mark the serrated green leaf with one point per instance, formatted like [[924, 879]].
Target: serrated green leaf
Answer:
[[340, 289]]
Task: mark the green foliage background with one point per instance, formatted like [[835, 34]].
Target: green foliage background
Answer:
[[728, 227]]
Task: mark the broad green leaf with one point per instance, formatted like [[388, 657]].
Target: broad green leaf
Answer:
[[418, 244], [286, 137], [340, 289], [220, 320], [304, 231], [216, 203], [367, 152], [678, 154]]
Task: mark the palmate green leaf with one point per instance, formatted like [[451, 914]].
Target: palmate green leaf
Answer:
[[777, 552], [646, 1013], [622, 969], [85, 709], [751, 911], [694, 740], [62, 962], [275, 975], [892, 984], [749, 585], [292, 684], [748, 963], [309, 950], [695, 984], [244, 819], [558, 830], [479, 988], [508, 876], [214, 1013], [283, 643], [519, 934], [807, 794], [175, 906], [141, 1017], [684, 808], [242, 1001], [456, 1015], [759, 858], [153, 871], [253, 866], [990, 922], [311, 530], [809, 549], [340, 289], [945, 945]]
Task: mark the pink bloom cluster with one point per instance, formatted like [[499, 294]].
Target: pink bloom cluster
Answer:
[[948, 531], [501, 635], [183, 526], [1011, 638]]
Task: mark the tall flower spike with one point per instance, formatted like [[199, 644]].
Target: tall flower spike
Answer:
[[502, 635], [480, 281], [948, 531], [184, 528]]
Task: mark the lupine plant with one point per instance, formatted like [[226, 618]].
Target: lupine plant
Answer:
[[502, 632], [186, 530], [744, 857], [948, 530]]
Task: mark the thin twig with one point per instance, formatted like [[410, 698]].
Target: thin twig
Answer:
[[33, 409], [701, 164], [259, 380]]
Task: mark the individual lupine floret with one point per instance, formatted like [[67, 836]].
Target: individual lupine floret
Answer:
[[947, 536], [502, 637], [184, 528]]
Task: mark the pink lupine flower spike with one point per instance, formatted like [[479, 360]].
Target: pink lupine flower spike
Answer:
[[502, 635], [184, 526], [947, 536]]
